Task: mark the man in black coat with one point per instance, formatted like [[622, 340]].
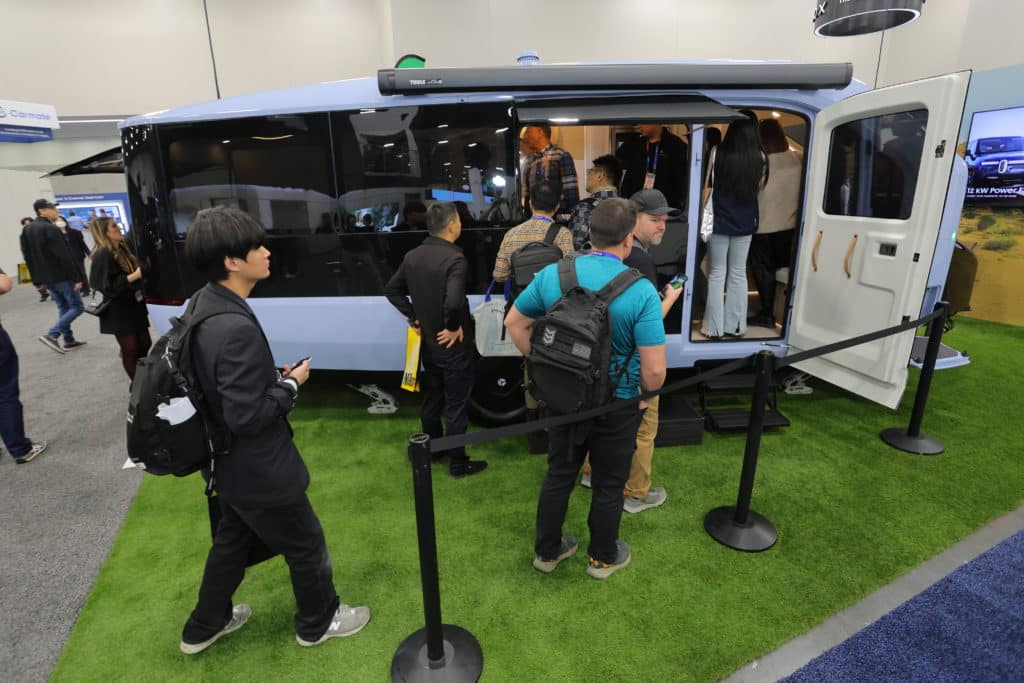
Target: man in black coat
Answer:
[[261, 482], [655, 159], [434, 276], [51, 263]]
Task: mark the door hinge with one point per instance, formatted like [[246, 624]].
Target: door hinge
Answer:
[[940, 151]]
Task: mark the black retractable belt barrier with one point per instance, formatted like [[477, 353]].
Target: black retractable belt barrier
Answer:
[[437, 652], [911, 440], [738, 526]]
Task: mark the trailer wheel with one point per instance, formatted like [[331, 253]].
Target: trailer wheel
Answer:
[[497, 396]]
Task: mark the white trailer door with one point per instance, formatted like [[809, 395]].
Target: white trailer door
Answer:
[[880, 164]]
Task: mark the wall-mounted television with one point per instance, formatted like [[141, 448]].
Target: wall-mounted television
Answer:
[[995, 158]]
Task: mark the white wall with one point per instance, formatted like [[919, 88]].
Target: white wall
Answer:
[[18, 189]]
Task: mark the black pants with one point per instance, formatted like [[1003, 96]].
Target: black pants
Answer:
[[291, 530], [447, 383], [610, 442], [12, 425], [768, 253]]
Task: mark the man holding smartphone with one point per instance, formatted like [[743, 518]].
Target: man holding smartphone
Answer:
[[261, 482]]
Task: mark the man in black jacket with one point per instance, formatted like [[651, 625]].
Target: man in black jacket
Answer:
[[261, 482], [51, 263], [655, 159], [434, 275]]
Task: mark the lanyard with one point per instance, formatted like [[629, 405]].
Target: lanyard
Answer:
[[654, 169], [598, 252], [544, 219]]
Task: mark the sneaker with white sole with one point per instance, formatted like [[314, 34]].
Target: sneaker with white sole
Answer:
[[347, 621], [602, 570], [73, 344], [568, 548], [239, 615], [52, 342], [655, 497], [37, 449], [585, 480]]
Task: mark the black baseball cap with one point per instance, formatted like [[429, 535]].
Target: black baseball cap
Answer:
[[653, 202], [43, 203]]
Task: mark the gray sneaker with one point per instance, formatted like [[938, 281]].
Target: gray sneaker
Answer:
[[569, 547], [52, 342], [347, 621], [602, 570], [239, 615], [37, 449], [655, 497]]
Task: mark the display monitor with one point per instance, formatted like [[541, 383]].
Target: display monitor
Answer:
[[995, 158]]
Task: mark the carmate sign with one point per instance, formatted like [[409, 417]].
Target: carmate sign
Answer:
[[26, 121]]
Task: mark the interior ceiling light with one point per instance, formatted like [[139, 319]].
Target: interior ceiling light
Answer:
[[840, 18], [273, 137]]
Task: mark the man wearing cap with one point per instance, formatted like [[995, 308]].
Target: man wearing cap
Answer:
[[653, 212], [51, 263]]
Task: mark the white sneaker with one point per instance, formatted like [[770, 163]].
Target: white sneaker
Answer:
[[37, 449], [347, 621], [655, 497], [585, 480], [239, 615]]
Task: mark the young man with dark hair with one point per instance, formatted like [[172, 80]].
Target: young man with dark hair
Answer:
[[655, 159], [433, 276], [548, 161], [638, 345], [51, 263], [603, 180], [261, 482]]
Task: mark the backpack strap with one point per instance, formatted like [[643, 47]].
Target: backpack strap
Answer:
[[552, 233], [618, 284], [567, 273]]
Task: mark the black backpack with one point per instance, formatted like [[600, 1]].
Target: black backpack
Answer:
[[571, 345], [165, 379], [529, 259]]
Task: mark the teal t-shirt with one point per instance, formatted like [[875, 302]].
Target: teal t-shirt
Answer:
[[635, 314]]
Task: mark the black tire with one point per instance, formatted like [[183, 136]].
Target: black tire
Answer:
[[497, 396]]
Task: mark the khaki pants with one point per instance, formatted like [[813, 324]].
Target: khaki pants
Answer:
[[639, 482]]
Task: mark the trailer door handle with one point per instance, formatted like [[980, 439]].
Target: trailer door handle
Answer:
[[849, 252], [814, 252]]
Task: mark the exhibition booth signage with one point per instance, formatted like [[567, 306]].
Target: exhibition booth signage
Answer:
[[27, 121]]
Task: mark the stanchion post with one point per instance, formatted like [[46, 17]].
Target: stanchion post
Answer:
[[911, 440], [437, 652], [739, 527]]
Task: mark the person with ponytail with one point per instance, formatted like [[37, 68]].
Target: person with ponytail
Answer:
[[116, 273], [740, 170]]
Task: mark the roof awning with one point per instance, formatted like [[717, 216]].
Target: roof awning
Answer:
[[605, 110]]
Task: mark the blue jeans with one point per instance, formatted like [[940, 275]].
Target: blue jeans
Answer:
[[727, 260], [69, 307], [12, 426]]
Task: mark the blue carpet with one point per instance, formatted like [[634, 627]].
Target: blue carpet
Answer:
[[967, 627]]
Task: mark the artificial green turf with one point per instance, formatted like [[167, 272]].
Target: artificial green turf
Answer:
[[852, 515]]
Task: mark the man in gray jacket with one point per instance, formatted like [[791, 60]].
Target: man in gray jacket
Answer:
[[261, 482]]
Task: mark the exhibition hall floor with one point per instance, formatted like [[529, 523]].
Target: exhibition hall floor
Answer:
[[853, 516]]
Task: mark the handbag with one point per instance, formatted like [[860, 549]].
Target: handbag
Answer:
[[411, 372], [491, 337], [707, 217], [98, 308]]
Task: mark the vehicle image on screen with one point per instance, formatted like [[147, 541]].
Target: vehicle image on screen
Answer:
[[340, 174], [996, 161]]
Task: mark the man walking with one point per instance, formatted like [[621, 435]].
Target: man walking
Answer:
[[12, 424], [433, 276], [638, 346], [261, 483], [52, 264]]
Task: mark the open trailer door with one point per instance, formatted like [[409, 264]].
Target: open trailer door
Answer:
[[880, 164]]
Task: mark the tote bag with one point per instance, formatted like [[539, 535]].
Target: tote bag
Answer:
[[491, 337], [707, 218]]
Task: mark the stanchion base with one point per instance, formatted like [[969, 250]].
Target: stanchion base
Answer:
[[463, 658], [756, 535], [922, 444]]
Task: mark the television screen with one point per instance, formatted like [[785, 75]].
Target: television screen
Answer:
[[995, 158]]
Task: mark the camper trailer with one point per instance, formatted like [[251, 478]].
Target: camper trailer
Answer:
[[335, 170]]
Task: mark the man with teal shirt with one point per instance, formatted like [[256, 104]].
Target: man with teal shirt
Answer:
[[638, 338]]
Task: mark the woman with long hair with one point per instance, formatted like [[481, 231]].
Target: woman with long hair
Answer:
[[116, 273], [739, 171]]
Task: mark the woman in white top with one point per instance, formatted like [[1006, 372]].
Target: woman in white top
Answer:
[[778, 203]]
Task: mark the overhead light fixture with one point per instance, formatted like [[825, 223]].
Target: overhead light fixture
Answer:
[[225, 142], [442, 142], [442, 125], [367, 111], [273, 137], [776, 115], [389, 144], [498, 180], [502, 130], [472, 144], [563, 119]]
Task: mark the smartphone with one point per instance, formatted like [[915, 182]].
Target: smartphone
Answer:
[[296, 363], [678, 281]]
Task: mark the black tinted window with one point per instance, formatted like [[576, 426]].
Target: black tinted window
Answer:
[[874, 164]]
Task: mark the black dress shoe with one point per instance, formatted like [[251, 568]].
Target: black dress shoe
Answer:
[[466, 468], [761, 320]]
